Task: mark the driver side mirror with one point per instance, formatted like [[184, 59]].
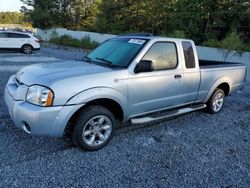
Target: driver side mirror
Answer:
[[144, 66]]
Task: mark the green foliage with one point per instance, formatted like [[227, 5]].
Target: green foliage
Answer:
[[83, 16], [85, 43], [212, 43], [231, 42], [44, 14], [204, 21], [11, 18], [71, 14], [54, 34], [132, 16], [177, 34]]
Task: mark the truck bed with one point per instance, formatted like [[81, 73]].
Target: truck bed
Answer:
[[211, 71], [206, 64]]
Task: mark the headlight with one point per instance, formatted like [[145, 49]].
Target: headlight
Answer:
[[40, 95]]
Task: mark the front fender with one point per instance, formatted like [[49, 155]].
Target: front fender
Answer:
[[100, 93], [216, 84]]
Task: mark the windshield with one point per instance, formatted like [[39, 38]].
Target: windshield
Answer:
[[117, 52]]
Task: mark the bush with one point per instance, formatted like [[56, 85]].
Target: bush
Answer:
[[230, 45], [231, 42], [177, 34], [85, 43], [212, 43]]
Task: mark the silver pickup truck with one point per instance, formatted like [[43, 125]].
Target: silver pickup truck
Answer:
[[130, 78]]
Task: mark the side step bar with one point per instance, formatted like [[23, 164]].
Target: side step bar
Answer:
[[159, 116]]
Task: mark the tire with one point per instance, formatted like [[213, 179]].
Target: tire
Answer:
[[94, 128], [216, 101], [27, 49]]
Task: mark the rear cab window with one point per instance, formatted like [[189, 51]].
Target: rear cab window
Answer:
[[188, 54]]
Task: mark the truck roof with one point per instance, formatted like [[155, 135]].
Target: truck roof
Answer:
[[18, 32], [154, 38]]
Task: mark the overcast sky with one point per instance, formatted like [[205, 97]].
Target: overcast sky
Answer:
[[10, 5]]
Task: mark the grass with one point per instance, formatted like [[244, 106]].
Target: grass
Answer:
[[85, 43]]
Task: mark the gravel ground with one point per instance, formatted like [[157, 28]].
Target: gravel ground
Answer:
[[193, 150], [63, 52]]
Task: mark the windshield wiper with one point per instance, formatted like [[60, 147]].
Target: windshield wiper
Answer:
[[87, 59], [107, 62]]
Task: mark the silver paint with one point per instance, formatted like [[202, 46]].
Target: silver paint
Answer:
[[76, 83]]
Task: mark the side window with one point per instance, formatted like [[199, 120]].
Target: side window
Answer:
[[17, 35], [24, 36], [13, 35], [163, 55], [3, 35], [188, 54]]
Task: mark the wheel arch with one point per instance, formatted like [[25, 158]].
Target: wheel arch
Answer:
[[222, 83], [112, 105], [27, 44], [225, 87]]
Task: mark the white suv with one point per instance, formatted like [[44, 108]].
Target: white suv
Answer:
[[10, 40]]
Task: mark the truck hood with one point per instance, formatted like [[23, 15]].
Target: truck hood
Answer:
[[48, 73]]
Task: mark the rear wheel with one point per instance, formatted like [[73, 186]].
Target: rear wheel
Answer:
[[94, 128], [27, 49], [216, 101]]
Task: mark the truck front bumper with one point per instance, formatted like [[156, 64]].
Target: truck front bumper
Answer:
[[36, 120]]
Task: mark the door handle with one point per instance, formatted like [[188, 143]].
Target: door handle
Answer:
[[178, 76]]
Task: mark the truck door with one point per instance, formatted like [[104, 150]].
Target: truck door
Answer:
[[149, 91], [191, 78]]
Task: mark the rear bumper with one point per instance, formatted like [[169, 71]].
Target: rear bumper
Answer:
[[36, 120], [36, 49], [238, 87]]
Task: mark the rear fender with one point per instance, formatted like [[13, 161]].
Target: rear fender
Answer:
[[216, 84]]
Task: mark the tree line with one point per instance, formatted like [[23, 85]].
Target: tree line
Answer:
[[11, 18], [210, 22]]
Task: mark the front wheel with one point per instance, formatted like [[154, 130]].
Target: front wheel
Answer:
[[216, 101], [94, 128]]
